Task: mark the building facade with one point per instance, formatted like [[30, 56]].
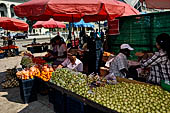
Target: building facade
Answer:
[[6, 7]]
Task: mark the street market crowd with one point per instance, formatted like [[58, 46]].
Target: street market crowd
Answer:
[[88, 58]]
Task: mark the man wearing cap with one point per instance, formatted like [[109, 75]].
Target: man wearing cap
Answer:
[[72, 63], [119, 66]]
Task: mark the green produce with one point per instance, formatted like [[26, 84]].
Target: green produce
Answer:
[[26, 61], [122, 97]]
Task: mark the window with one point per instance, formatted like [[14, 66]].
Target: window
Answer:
[[2, 13]]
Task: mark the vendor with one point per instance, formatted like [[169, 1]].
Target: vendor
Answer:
[[72, 63], [119, 65], [160, 61], [59, 50]]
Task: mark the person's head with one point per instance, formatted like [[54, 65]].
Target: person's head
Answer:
[[52, 41], [71, 57], [57, 39], [162, 42], [34, 39], [125, 49], [96, 30]]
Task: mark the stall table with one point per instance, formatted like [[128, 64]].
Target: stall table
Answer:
[[36, 48], [10, 50]]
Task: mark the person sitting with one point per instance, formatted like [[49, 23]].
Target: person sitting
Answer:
[[59, 50], [72, 63], [159, 62], [119, 66]]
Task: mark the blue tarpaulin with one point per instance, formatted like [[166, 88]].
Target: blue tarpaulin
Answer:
[[81, 24]]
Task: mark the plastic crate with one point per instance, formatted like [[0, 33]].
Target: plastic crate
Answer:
[[59, 101], [74, 105], [28, 90], [2, 55]]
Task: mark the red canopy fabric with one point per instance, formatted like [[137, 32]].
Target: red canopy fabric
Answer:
[[157, 4], [129, 10], [13, 24], [49, 24], [70, 10]]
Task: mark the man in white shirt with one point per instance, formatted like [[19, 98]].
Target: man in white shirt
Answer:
[[119, 65], [72, 63]]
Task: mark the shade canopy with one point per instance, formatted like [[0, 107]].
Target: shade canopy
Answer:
[[13, 24], [157, 4], [49, 24], [70, 10], [83, 24], [129, 10]]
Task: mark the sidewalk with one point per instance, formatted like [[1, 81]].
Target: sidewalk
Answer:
[[10, 101]]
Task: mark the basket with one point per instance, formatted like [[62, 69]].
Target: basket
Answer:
[[105, 58], [165, 86], [104, 71]]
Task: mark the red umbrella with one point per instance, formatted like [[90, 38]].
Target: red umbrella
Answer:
[[13, 24], [49, 24], [157, 4], [70, 10], [129, 10]]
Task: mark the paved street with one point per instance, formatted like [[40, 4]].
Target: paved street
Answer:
[[10, 101], [21, 42]]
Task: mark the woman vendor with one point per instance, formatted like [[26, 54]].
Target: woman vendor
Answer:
[[59, 50], [160, 61], [72, 63]]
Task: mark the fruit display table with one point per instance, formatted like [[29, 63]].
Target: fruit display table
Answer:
[[83, 100], [124, 96]]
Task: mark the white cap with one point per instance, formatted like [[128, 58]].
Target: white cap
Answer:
[[126, 46]]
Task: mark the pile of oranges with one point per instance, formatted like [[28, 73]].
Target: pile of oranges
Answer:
[[44, 72]]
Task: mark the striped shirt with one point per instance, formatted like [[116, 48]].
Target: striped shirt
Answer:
[[160, 67], [120, 62]]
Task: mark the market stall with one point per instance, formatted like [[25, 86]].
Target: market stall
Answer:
[[10, 50], [69, 89], [72, 90], [36, 48]]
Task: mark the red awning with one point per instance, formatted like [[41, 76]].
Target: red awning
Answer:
[[129, 10], [157, 4], [13, 24], [70, 10], [49, 24]]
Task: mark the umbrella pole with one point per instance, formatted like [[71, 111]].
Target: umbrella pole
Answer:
[[99, 26], [73, 32], [49, 33]]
